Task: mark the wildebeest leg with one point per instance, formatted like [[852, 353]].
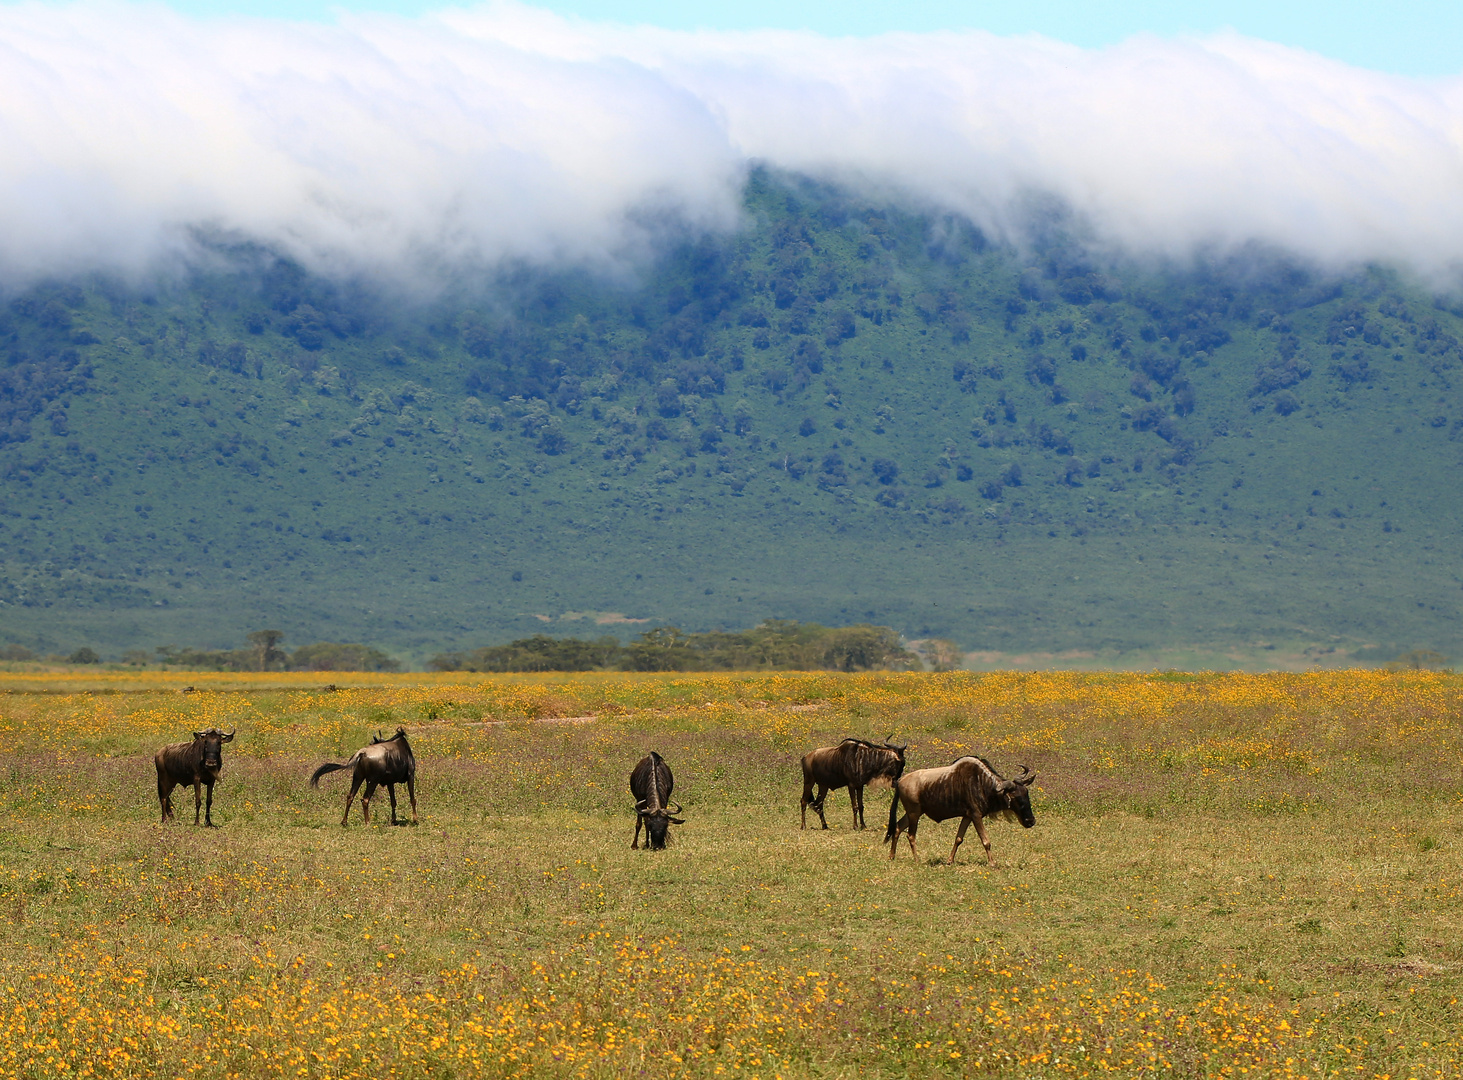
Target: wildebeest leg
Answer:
[[959, 838], [635, 844], [818, 805], [411, 793], [913, 827], [366, 800], [208, 808], [906, 823], [391, 794], [165, 796], [985, 840], [856, 800], [355, 786], [807, 797], [197, 800]]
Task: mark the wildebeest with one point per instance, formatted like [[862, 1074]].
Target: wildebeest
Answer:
[[968, 788], [384, 761], [853, 763], [198, 763], [651, 783]]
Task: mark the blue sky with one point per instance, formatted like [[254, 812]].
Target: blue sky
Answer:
[[1415, 37]]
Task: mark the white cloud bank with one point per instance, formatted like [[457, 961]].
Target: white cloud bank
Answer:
[[412, 147]]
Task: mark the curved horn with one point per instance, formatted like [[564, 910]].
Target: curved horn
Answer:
[[1027, 776], [230, 736], [677, 810]]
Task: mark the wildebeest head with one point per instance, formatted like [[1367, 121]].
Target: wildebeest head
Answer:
[[898, 769], [212, 742], [1018, 797], [656, 822]]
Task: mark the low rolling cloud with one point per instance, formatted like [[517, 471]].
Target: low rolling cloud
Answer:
[[411, 149]]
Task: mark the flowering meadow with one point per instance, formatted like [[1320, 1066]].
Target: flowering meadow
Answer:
[[1231, 875]]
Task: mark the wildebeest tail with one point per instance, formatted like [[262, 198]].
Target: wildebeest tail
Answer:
[[893, 814], [328, 767]]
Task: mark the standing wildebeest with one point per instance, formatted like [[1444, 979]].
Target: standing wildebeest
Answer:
[[851, 764], [968, 788], [198, 763], [385, 761], [651, 783]]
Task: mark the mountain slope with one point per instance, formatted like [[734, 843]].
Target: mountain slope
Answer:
[[843, 413]]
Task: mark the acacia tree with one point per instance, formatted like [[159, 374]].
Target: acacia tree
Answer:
[[664, 648], [265, 653]]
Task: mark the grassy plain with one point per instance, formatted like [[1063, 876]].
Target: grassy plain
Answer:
[[1231, 875]]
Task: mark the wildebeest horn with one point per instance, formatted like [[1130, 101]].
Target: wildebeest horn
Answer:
[[1027, 776], [675, 821], [677, 810], [230, 736]]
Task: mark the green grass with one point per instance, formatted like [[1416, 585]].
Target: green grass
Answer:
[[1305, 870]]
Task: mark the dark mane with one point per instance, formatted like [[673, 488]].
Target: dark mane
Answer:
[[994, 771]]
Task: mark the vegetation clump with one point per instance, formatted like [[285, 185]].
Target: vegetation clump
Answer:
[[775, 644], [263, 654]]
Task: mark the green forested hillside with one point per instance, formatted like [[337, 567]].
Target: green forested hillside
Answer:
[[844, 413]]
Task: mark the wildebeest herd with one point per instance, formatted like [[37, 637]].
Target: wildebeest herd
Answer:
[[969, 788]]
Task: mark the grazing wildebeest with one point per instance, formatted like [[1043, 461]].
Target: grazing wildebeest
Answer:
[[851, 764], [198, 763], [384, 761], [651, 783], [968, 788]]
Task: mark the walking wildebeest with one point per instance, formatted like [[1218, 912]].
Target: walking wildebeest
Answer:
[[651, 783], [384, 761], [198, 763], [851, 764], [968, 788]]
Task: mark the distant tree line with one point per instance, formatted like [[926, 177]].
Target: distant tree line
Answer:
[[776, 644], [264, 654]]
